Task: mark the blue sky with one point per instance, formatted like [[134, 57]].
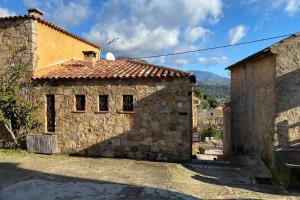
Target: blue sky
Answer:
[[150, 27]]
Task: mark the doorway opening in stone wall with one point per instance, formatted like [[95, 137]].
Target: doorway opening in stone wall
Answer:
[[208, 134]]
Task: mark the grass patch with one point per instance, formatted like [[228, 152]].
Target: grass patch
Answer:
[[13, 151]]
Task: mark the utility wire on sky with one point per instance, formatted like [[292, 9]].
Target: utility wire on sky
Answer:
[[213, 48]]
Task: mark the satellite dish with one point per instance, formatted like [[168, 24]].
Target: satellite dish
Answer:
[[110, 56]]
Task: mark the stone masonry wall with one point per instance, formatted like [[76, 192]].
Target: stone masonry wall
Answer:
[[15, 34], [253, 110], [287, 120], [158, 129]]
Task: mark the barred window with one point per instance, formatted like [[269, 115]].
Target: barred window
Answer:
[[103, 103], [127, 102], [80, 102]]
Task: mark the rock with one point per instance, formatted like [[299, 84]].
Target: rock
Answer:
[[70, 144], [164, 110], [116, 142]]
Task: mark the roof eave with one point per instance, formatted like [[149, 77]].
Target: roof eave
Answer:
[[264, 52]]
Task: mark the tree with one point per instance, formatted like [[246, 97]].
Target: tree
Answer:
[[212, 101], [199, 93], [16, 107]]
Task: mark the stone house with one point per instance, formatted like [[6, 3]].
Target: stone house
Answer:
[[265, 109], [105, 108], [212, 117]]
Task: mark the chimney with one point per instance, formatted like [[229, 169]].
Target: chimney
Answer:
[[89, 56], [35, 13]]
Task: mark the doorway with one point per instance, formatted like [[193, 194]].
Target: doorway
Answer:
[[50, 113]]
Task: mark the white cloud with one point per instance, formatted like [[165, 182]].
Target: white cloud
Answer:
[[5, 12], [193, 34], [290, 7], [62, 13], [213, 60], [147, 27], [236, 34], [182, 61]]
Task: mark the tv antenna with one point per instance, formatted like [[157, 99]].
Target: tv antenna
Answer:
[[111, 42], [109, 55]]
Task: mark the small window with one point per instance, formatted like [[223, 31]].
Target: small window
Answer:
[[80, 102], [127, 103], [103, 103]]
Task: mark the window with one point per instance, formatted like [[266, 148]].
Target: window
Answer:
[[127, 103], [80, 102], [103, 103], [50, 113]]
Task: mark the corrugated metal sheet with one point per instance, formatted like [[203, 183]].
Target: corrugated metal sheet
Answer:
[[46, 144]]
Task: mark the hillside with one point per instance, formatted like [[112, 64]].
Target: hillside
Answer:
[[209, 78], [213, 84]]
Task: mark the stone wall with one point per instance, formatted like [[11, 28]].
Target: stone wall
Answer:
[[15, 34], [287, 120], [158, 129], [253, 110]]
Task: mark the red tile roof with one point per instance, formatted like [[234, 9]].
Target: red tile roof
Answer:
[[103, 69], [50, 25]]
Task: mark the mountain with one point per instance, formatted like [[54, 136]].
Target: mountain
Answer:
[[209, 78]]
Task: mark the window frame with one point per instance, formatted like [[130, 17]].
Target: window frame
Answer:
[[127, 103], [100, 103], [77, 108]]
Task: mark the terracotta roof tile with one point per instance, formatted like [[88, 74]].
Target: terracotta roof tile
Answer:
[[102, 69]]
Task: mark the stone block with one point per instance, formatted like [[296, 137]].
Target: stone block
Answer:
[[116, 142], [147, 141], [70, 144], [119, 152], [164, 110], [144, 147], [107, 154], [138, 155]]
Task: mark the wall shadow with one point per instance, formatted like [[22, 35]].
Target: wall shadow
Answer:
[[287, 91], [287, 106], [159, 128], [235, 179], [16, 181]]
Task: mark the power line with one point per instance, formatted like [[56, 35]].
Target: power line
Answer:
[[213, 48]]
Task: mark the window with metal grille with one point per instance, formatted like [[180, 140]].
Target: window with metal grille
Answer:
[[127, 102], [103, 102], [80, 102]]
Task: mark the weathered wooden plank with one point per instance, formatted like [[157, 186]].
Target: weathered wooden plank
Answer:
[[46, 144]]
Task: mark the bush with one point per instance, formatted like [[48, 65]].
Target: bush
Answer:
[[210, 132]]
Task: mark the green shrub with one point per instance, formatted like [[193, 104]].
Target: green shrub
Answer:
[[210, 132]]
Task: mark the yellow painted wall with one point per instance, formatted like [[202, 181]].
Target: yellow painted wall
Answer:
[[54, 46]]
